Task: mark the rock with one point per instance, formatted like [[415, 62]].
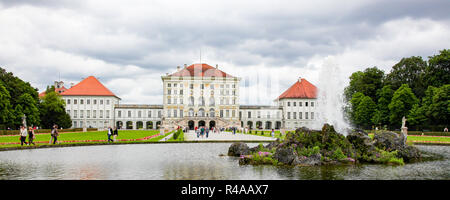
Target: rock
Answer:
[[409, 154], [387, 140], [308, 161], [272, 144], [361, 142], [285, 155], [238, 148]]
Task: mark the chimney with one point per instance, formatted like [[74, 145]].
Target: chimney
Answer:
[[178, 68], [217, 66], [300, 79]]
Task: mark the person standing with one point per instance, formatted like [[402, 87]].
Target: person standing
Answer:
[[55, 134], [273, 133], [115, 133], [23, 135], [31, 136], [207, 132], [110, 132]]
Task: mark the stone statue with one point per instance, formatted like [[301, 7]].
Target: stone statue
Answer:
[[24, 120], [404, 131]]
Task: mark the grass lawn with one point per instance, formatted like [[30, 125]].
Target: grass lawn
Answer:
[[267, 134], [424, 138], [64, 138]]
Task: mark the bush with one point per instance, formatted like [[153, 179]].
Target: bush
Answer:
[[308, 151], [338, 154]]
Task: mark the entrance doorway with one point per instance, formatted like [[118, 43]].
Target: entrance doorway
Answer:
[[191, 125], [201, 123], [212, 124]]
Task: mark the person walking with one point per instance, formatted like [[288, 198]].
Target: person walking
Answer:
[[115, 133], [55, 134], [110, 132], [31, 136], [23, 135], [207, 132]]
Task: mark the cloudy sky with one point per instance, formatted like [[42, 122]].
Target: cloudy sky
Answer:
[[269, 44]]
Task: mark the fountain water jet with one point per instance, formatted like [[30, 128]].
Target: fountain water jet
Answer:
[[330, 98]]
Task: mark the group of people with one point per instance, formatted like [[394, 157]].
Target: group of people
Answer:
[[201, 131], [112, 133], [32, 135], [24, 133]]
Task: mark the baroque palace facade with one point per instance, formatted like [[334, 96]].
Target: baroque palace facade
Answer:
[[195, 95]]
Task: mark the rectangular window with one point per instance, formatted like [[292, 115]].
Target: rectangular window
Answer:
[[191, 86], [175, 101], [312, 105], [169, 91], [295, 115], [101, 113], [101, 102], [306, 104], [181, 92], [81, 113], [233, 113], [175, 112], [228, 113], [139, 114], [107, 102], [169, 85], [81, 101], [221, 113], [75, 114], [88, 114], [88, 101], [75, 101], [312, 115], [107, 114], [169, 101], [249, 114], [181, 113], [159, 114], [289, 104], [288, 115], [300, 104], [149, 114], [300, 115], [119, 113], [129, 113], [95, 101], [306, 114], [295, 104], [68, 101]]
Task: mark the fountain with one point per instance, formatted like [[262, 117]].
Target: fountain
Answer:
[[330, 98]]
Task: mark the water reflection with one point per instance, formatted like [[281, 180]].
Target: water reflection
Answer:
[[191, 162]]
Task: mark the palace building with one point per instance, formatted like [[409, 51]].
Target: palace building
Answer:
[[195, 95]]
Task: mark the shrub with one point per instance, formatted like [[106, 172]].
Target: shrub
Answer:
[[308, 151], [338, 154]]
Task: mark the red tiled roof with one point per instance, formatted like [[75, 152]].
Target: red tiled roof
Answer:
[[301, 89], [201, 70], [57, 90], [90, 86]]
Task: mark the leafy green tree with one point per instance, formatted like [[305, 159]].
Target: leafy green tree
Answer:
[[354, 103], [417, 116], [52, 111], [365, 111], [408, 71], [367, 82], [438, 71], [383, 114], [440, 106], [6, 112], [402, 102], [23, 94]]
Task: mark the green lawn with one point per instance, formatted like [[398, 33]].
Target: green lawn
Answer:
[[423, 138], [81, 136]]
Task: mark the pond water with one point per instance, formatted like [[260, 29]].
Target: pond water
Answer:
[[190, 161]]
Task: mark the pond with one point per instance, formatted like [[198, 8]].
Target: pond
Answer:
[[190, 161]]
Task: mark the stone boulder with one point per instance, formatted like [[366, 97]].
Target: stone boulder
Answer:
[[238, 148], [362, 143], [391, 141], [410, 154], [308, 161], [285, 155]]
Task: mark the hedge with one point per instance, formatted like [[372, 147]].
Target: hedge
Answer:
[[16, 132]]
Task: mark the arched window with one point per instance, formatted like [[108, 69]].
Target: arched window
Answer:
[[212, 101], [201, 101], [191, 101], [212, 113], [201, 112], [191, 112]]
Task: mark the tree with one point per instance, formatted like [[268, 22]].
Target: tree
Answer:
[[52, 111], [21, 93], [440, 106], [365, 111], [438, 71], [354, 103], [417, 116], [367, 82], [408, 71], [383, 113], [402, 102], [6, 112]]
